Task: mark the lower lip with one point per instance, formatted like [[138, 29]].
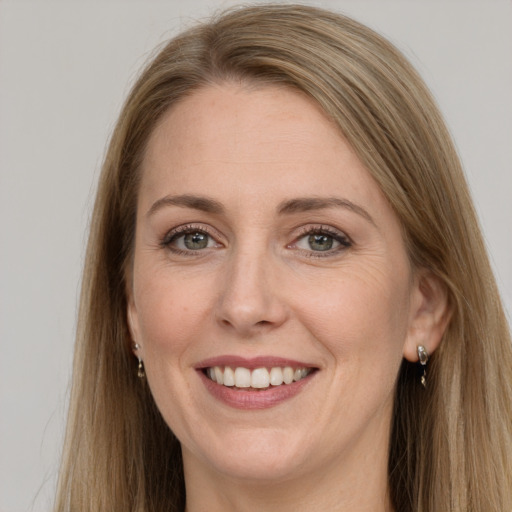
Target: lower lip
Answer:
[[250, 399]]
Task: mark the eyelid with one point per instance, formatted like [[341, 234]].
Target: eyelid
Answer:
[[341, 237], [183, 229], [310, 229]]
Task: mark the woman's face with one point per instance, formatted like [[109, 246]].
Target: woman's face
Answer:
[[266, 252]]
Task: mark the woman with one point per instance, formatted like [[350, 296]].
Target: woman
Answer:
[[287, 303]]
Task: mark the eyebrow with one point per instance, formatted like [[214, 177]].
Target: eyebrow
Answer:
[[297, 205], [307, 204], [204, 204]]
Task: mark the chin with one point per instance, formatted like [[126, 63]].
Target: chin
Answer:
[[255, 456]]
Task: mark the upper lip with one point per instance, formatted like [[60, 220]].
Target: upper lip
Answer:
[[251, 363]]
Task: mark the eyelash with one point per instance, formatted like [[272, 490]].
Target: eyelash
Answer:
[[176, 233], [338, 236]]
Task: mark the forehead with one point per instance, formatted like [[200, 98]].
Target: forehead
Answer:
[[227, 139]]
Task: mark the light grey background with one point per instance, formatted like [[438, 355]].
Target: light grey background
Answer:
[[65, 68]]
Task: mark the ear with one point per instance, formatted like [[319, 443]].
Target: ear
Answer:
[[429, 314]]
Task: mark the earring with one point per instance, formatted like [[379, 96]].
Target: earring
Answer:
[[140, 370], [423, 357]]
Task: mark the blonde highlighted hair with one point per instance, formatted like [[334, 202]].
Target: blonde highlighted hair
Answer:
[[451, 445]]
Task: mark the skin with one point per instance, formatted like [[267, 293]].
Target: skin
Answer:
[[259, 289]]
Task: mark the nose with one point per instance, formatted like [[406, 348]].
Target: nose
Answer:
[[250, 301]]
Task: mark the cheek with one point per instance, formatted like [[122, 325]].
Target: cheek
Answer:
[[171, 321], [169, 312], [362, 312], [359, 320]]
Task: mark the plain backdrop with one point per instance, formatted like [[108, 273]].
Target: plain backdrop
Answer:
[[65, 68]]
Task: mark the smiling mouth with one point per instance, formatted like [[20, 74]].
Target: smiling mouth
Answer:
[[257, 379]]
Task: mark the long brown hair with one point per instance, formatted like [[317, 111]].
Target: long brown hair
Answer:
[[451, 445]]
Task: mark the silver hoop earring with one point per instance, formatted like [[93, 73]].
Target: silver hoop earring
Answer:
[[423, 358]]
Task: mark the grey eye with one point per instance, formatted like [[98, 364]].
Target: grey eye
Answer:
[[190, 240], [195, 241], [320, 242]]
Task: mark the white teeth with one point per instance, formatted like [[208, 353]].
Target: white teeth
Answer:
[[219, 376], [288, 375], [242, 378], [259, 378], [276, 376], [229, 377]]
